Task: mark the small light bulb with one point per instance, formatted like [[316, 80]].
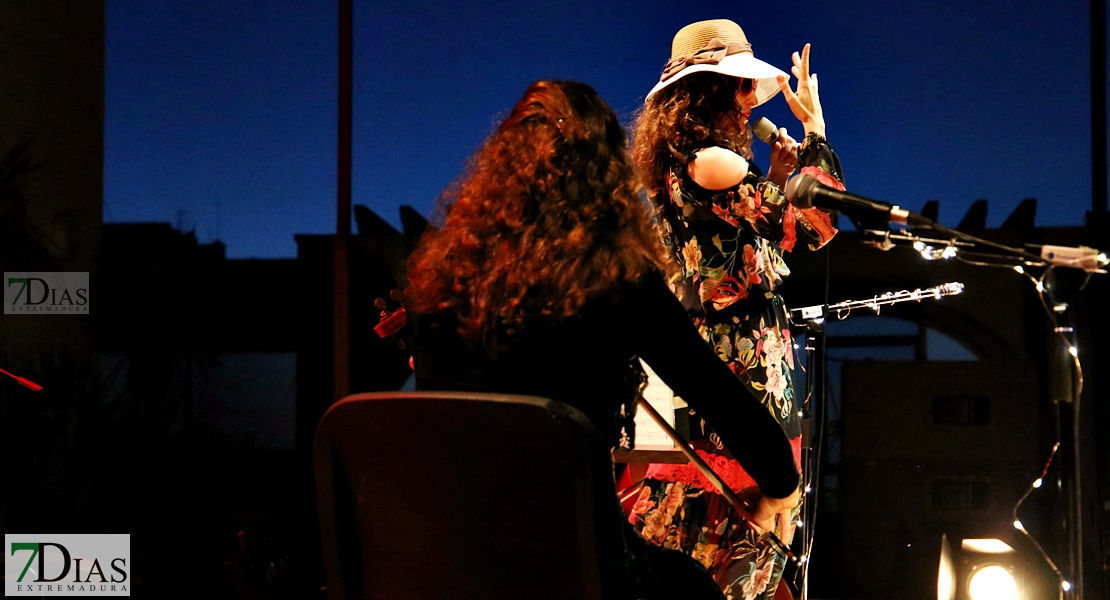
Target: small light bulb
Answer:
[[1019, 269], [1019, 526], [1038, 482], [1065, 586], [919, 245], [809, 489], [1040, 287], [949, 252], [801, 524], [1073, 351]]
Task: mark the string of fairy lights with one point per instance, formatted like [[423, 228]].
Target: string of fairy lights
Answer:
[[1089, 260]]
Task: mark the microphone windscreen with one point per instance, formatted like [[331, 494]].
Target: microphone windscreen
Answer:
[[800, 189], [766, 131]]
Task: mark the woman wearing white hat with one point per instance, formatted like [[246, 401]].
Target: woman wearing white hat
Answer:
[[727, 227]]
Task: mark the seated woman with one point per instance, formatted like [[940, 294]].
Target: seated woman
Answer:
[[547, 278]]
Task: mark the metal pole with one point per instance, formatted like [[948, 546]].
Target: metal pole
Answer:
[[341, 256], [1097, 221], [1098, 109]]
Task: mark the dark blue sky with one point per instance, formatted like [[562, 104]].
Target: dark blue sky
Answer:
[[221, 114]]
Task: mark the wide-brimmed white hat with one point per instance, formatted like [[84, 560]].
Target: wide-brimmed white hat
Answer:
[[719, 46]]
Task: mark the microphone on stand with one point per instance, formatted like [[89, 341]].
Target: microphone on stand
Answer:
[[806, 192], [1083, 257]]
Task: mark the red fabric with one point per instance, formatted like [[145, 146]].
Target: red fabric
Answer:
[[790, 237], [823, 177], [820, 222], [728, 469], [623, 483]]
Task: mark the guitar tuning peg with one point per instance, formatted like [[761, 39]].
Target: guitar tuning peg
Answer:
[[395, 295], [379, 303]]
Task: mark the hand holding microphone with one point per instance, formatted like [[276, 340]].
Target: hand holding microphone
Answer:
[[784, 150]]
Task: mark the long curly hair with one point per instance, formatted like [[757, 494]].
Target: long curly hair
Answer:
[[695, 112], [546, 216]]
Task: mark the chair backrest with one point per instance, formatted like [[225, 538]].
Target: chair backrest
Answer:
[[425, 495]]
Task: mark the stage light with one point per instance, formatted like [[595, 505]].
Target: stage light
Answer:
[[946, 572], [992, 582], [990, 569], [989, 578], [985, 546]]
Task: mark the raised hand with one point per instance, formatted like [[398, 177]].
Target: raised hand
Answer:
[[805, 103]]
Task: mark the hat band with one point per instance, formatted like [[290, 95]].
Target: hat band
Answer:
[[711, 53]]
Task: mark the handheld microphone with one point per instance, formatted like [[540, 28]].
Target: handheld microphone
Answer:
[[806, 192], [766, 131]]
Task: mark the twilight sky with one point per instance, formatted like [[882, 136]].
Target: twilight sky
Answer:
[[221, 114]]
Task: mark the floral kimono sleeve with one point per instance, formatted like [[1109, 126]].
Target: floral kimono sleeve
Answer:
[[819, 161], [765, 207]]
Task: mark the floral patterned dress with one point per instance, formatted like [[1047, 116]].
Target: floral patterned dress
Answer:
[[730, 244]]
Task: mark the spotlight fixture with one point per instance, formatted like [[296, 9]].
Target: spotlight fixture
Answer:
[[992, 581], [988, 569]]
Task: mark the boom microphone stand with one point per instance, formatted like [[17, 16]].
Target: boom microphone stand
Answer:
[[814, 410], [1067, 374]]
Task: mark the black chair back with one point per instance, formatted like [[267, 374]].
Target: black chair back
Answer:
[[426, 495]]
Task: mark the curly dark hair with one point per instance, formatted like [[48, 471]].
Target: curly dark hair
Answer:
[[547, 215], [695, 112]]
